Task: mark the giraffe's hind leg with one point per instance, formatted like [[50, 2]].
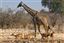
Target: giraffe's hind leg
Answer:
[[39, 29], [42, 34]]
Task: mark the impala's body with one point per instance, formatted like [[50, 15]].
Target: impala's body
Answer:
[[20, 36], [46, 35]]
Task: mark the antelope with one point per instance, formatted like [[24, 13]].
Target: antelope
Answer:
[[44, 35], [20, 36]]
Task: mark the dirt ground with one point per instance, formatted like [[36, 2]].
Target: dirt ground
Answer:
[[5, 37]]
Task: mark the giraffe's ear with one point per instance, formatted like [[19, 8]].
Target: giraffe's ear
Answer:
[[20, 4]]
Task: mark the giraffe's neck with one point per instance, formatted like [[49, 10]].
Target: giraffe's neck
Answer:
[[29, 10]]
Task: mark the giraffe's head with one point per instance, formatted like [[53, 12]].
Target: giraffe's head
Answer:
[[20, 4]]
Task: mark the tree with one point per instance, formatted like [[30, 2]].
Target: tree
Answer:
[[62, 9], [53, 5]]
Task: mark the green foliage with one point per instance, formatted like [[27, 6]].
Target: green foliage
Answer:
[[53, 5], [44, 2], [62, 9]]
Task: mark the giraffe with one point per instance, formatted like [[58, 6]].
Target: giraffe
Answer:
[[37, 18]]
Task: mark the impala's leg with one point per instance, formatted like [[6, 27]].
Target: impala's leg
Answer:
[[34, 22]]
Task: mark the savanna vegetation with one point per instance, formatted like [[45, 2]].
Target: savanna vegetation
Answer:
[[10, 19]]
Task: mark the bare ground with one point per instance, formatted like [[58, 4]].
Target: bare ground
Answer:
[[5, 37]]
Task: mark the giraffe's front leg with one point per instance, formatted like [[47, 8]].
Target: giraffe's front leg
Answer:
[[34, 22]]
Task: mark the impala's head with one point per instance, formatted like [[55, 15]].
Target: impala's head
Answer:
[[20, 4]]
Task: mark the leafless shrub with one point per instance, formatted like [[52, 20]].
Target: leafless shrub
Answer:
[[56, 20], [10, 20]]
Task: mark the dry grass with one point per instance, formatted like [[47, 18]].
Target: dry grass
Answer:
[[27, 36]]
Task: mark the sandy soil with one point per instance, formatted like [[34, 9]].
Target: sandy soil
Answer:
[[6, 34]]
